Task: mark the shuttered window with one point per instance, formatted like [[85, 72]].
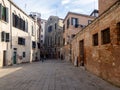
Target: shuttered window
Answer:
[[0, 11], [3, 13], [19, 23], [2, 36]]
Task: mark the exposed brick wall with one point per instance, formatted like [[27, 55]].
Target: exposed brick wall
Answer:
[[102, 60], [72, 30], [105, 4]]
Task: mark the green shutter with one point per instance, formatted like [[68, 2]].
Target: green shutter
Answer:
[[3, 13], [7, 19], [0, 11], [2, 36]]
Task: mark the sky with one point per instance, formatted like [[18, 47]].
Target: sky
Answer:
[[58, 8]]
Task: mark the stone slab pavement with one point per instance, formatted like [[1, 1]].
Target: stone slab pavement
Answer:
[[50, 75]]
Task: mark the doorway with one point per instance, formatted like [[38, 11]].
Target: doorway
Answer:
[[14, 57], [4, 58], [81, 45]]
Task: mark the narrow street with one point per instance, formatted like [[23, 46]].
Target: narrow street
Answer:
[[50, 75]]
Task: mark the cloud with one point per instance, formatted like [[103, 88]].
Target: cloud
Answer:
[[57, 7], [82, 2], [63, 2]]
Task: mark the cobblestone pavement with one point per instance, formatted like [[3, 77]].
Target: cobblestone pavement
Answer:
[[50, 75]]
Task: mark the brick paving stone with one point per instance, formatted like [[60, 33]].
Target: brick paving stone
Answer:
[[50, 75]]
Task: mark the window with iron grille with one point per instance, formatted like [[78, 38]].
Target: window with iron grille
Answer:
[[105, 36], [118, 31], [95, 39]]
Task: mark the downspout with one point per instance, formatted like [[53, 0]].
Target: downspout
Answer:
[[10, 26], [11, 33]]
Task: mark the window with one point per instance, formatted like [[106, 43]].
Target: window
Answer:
[[118, 31], [41, 36], [50, 29], [24, 54], [68, 22], [32, 30], [33, 44], [3, 13], [106, 36], [38, 45], [73, 35], [55, 26], [7, 37], [41, 41], [19, 23], [21, 41], [89, 21], [95, 39], [4, 36], [74, 22], [50, 18]]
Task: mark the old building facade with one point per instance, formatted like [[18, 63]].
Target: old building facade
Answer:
[[53, 36], [73, 23], [18, 33], [96, 47], [42, 37]]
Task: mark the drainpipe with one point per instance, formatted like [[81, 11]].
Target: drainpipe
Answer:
[[10, 26], [11, 30]]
